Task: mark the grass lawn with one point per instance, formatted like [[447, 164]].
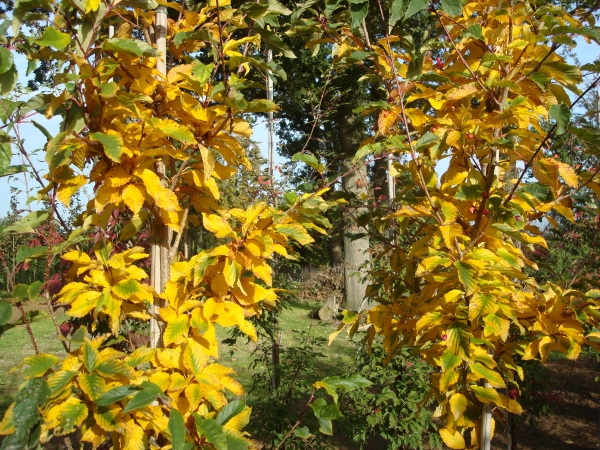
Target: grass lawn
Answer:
[[337, 360], [16, 345]]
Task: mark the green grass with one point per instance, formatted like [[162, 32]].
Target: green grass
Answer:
[[339, 357], [15, 345]]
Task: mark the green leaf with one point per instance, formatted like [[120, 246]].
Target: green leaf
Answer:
[[177, 430], [466, 275], [325, 410], [302, 432], [127, 288], [144, 397], [116, 394], [109, 89], [274, 42], [473, 31], [54, 38], [6, 60], [480, 305], [202, 72], [92, 384], [90, 356], [466, 192], [449, 360], [358, 11], [113, 145], [212, 431], [490, 375], [562, 114], [230, 410], [25, 413], [426, 140], [486, 395], [397, 11], [350, 383], [38, 365], [20, 292], [8, 80], [131, 46], [415, 6], [458, 336], [309, 159], [5, 313], [235, 442], [452, 7], [28, 224], [26, 254]]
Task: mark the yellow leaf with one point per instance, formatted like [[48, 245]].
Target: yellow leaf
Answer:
[[452, 438], [231, 271], [133, 196], [386, 120], [568, 174], [239, 421], [6, 425], [91, 5], [169, 357], [564, 211], [461, 92], [194, 358], [217, 225], [134, 437], [164, 198], [177, 330], [546, 172], [490, 375], [232, 386], [458, 405]]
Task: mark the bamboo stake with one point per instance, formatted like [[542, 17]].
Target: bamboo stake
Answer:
[[159, 272]]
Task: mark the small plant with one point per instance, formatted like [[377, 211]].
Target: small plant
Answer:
[[395, 406]]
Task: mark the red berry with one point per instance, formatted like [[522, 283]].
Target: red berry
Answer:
[[390, 99], [555, 156], [485, 194], [374, 128], [444, 337], [433, 129], [453, 108], [518, 218], [65, 329], [439, 65], [485, 212], [512, 394], [470, 136], [578, 166], [429, 58]]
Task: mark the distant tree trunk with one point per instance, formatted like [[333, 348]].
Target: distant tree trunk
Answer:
[[336, 249], [355, 250], [380, 181]]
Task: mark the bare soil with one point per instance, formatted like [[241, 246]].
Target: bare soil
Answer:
[[573, 424]]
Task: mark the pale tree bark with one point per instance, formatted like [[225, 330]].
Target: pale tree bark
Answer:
[[355, 250], [356, 182]]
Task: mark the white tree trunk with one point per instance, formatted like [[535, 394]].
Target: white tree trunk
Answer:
[[355, 250]]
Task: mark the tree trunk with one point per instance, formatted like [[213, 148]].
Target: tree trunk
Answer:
[[380, 181], [336, 249], [356, 182]]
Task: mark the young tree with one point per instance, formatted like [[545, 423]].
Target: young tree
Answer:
[[153, 147], [452, 280]]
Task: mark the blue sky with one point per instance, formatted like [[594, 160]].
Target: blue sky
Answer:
[[34, 139]]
